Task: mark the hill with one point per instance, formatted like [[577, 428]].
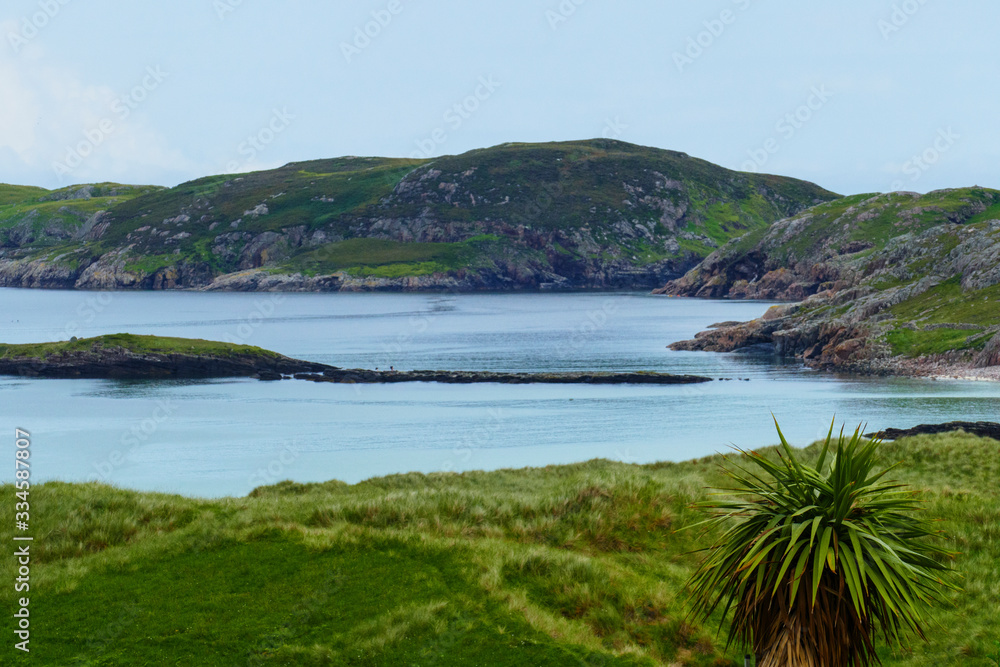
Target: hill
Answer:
[[588, 214], [566, 565], [884, 283]]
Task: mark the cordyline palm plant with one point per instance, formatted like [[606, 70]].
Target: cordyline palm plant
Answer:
[[816, 561]]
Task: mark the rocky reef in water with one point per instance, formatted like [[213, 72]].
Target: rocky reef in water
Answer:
[[352, 376]]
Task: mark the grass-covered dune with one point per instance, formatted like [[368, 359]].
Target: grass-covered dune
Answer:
[[569, 565]]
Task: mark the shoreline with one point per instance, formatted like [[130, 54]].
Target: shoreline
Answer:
[[944, 371]]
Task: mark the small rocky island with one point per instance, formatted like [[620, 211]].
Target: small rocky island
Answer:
[[127, 356], [132, 357]]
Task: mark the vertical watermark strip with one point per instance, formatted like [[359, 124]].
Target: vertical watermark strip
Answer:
[[22, 552]]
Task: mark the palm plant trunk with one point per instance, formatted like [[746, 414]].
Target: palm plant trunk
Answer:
[[825, 634]]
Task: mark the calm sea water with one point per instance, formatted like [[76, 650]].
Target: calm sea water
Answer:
[[224, 437]]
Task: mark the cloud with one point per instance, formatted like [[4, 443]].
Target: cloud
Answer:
[[56, 129]]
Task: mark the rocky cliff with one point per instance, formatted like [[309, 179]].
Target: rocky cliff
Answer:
[[574, 215], [881, 283]]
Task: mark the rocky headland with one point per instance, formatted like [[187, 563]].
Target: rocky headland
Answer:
[[898, 283]]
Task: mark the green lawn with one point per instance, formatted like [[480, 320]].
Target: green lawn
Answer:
[[565, 565]]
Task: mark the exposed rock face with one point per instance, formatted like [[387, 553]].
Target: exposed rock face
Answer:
[[37, 274], [876, 279], [982, 429], [990, 354]]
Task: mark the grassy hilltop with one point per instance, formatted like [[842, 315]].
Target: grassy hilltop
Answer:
[[565, 565], [573, 214]]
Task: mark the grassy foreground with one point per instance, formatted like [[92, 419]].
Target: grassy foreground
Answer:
[[568, 565]]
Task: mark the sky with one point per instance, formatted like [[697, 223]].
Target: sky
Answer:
[[857, 95]]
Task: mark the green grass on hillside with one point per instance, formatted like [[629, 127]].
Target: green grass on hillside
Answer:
[[132, 343], [46, 219], [13, 194], [324, 216], [365, 256], [885, 218], [946, 303], [565, 565]]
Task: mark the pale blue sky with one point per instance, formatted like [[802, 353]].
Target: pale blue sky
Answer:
[[197, 78]]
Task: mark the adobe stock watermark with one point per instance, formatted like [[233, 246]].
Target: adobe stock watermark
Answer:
[[224, 8], [137, 435], [920, 163], [302, 617], [900, 16], [392, 351], [88, 311], [613, 128], [698, 44], [100, 643], [256, 143], [262, 311], [562, 12], [787, 127], [455, 117], [476, 438], [33, 24], [581, 334], [534, 209], [366, 34], [121, 108], [274, 471]]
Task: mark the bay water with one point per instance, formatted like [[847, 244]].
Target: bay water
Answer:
[[215, 438]]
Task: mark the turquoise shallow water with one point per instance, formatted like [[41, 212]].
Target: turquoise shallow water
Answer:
[[224, 437]]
